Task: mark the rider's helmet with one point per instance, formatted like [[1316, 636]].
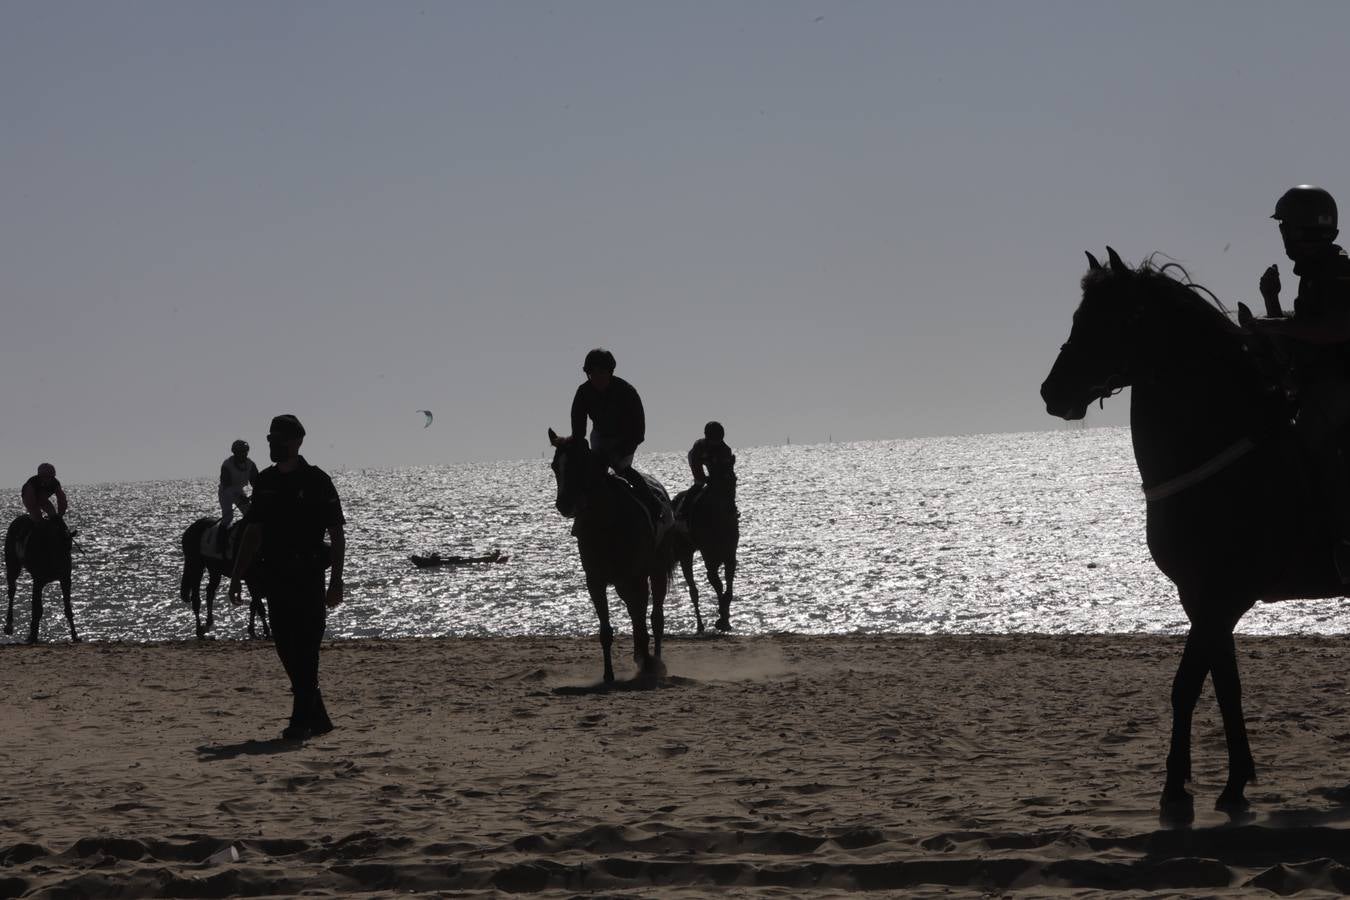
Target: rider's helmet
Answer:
[[46, 470], [1306, 206], [239, 446], [714, 431], [599, 360]]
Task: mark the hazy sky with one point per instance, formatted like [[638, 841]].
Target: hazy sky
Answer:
[[864, 220]]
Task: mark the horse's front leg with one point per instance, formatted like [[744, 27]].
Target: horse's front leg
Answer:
[[70, 611], [257, 607], [633, 592], [1177, 803], [1228, 691], [711, 564], [660, 584], [600, 599], [37, 612], [9, 616], [687, 566], [724, 600]]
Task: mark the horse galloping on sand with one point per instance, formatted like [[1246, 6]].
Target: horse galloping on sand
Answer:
[[43, 549], [617, 544], [201, 556], [714, 531], [1235, 513]]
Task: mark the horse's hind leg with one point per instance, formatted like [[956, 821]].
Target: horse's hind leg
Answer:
[[12, 566], [70, 610], [687, 566], [256, 607], [634, 595], [724, 600]]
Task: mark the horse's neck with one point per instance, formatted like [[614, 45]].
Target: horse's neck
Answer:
[[1184, 418]]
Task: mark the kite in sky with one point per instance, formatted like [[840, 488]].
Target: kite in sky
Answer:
[[427, 413]]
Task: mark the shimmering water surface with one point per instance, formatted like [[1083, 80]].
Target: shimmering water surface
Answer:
[[1039, 532]]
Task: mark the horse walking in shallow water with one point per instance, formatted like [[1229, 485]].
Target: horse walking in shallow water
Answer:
[[714, 531], [42, 548], [1233, 511], [618, 546], [201, 555]]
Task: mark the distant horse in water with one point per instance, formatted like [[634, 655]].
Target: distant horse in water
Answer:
[[714, 531], [197, 560], [617, 545], [43, 548], [1234, 513]]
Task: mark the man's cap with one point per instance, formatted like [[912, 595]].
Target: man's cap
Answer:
[[286, 427]]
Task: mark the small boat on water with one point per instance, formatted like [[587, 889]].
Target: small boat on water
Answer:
[[436, 560]]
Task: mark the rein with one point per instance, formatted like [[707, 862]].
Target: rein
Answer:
[[1190, 479]]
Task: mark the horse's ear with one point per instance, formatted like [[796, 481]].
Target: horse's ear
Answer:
[[1116, 265], [1092, 262], [553, 437]]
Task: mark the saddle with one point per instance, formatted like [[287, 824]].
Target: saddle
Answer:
[[210, 546], [662, 518]]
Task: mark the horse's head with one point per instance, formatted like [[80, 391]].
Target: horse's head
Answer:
[[1132, 324], [573, 465], [1097, 359]]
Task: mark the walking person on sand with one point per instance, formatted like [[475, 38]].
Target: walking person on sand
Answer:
[[293, 505]]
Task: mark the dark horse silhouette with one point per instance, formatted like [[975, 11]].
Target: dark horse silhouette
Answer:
[[43, 548], [196, 562], [714, 530], [1233, 513], [617, 546]]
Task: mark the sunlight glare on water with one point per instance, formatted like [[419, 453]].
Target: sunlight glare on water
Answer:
[[1037, 532]]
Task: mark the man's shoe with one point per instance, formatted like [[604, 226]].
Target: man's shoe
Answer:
[[296, 732]]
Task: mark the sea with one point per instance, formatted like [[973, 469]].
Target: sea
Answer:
[[1041, 532]]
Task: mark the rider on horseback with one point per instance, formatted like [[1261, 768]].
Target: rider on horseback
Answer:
[[1319, 339], [236, 473], [37, 495], [710, 459], [618, 423]]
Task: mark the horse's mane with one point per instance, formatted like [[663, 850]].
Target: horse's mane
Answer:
[[1195, 302]]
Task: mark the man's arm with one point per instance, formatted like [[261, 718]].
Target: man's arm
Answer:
[[61, 503], [338, 535], [224, 475], [1332, 329], [252, 475], [579, 409], [248, 549], [695, 465]]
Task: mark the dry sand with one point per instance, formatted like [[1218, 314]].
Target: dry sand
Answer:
[[769, 767]]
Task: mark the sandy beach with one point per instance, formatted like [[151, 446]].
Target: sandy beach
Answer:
[[777, 766]]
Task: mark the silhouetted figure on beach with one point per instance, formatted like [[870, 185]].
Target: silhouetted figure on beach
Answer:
[[616, 547], [237, 473], [37, 494], [1317, 340], [709, 520], [1235, 512], [618, 423], [293, 505], [42, 547]]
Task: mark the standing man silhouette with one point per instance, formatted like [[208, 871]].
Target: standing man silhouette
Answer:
[[293, 505]]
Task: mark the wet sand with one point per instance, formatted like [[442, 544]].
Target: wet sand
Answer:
[[782, 766]]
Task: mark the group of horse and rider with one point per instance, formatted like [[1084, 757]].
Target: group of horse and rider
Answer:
[[1241, 433], [278, 551]]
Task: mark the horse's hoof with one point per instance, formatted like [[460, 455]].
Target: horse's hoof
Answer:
[[722, 625], [1176, 808], [9, 629], [1233, 803], [700, 628]]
